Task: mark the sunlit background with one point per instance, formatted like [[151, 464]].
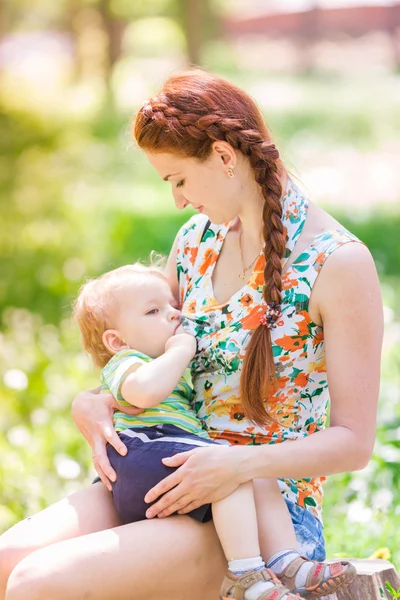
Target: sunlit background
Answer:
[[78, 198]]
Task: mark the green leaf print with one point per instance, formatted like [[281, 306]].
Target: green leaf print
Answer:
[[276, 350], [209, 234], [304, 256], [301, 302], [294, 373], [317, 392], [305, 280], [232, 347], [234, 364], [310, 501], [300, 268]]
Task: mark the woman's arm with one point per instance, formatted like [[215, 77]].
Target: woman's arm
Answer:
[[347, 296], [93, 416]]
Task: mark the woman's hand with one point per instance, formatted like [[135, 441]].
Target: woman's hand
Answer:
[[204, 475], [93, 415]]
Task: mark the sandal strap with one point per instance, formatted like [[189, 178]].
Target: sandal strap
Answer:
[[316, 575], [288, 575], [275, 593]]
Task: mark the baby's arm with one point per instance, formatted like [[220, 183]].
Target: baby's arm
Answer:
[[153, 382]]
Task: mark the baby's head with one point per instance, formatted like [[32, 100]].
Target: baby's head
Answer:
[[129, 307]]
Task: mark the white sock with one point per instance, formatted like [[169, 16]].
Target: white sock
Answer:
[[241, 566], [280, 560]]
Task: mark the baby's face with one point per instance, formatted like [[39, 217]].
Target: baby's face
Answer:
[[148, 314]]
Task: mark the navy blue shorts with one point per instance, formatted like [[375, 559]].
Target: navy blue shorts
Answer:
[[141, 468]]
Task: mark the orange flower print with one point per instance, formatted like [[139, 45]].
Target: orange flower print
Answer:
[[236, 412], [252, 320], [281, 382], [302, 325], [210, 257], [301, 379], [193, 254], [190, 307], [288, 283], [290, 343], [246, 299], [318, 338]]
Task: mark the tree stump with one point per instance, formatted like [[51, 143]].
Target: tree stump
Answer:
[[372, 574]]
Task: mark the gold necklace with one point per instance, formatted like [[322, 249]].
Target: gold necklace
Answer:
[[243, 271]]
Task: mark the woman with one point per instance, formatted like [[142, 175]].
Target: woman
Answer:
[[280, 297]]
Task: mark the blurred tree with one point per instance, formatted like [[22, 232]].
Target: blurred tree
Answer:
[[195, 15]]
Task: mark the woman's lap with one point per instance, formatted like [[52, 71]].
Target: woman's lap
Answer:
[[175, 557], [174, 544]]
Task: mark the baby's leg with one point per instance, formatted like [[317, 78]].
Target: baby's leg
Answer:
[[275, 528], [87, 511], [280, 549], [235, 520]]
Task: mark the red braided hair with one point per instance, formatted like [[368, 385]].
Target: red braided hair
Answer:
[[194, 109]]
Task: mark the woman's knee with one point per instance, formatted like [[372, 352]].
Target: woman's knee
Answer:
[[26, 581], [13, 549]]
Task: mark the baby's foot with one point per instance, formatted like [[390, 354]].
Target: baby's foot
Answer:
[[256, 585], [310, 578]]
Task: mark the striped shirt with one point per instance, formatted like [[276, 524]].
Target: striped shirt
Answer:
[[174, 410]]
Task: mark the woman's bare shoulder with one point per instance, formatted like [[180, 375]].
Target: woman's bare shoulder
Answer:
[[347, 279]]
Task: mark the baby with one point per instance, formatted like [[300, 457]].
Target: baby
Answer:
[[130, 324]]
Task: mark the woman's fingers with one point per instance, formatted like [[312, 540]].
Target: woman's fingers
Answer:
[[102, 475], [114, 440], [167, 484], [175, 500], [178, 459], [101, 460], [180, 504], [128, 410]]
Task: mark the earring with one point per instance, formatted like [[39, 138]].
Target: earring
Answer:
[[230, 171]]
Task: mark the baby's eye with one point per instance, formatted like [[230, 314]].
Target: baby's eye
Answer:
[[180, 183], [153, 311]]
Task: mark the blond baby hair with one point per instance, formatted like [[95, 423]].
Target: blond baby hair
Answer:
[[97, 302]]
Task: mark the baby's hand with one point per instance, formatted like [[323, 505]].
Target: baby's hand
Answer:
[[181, 339]]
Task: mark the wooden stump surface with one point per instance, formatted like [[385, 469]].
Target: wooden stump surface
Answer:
[[372, 575]]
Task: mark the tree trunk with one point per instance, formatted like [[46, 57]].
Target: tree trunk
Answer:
[[372, 576]]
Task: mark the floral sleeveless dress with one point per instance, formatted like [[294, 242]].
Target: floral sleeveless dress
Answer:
[[299, 407]]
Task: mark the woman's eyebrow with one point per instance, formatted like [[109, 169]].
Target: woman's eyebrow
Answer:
[[168, 176]]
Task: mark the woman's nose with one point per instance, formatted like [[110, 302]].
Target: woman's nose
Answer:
[[180, 200]]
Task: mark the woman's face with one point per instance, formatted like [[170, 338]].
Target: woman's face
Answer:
[[204, 185]]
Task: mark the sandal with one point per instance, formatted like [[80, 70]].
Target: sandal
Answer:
[[234, 586], [341, 574]]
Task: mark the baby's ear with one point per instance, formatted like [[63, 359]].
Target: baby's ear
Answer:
[[113, 342]]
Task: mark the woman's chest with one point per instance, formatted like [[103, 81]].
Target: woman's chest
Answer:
[[224, 332]]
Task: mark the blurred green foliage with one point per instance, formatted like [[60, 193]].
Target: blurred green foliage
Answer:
[[76, 199]]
